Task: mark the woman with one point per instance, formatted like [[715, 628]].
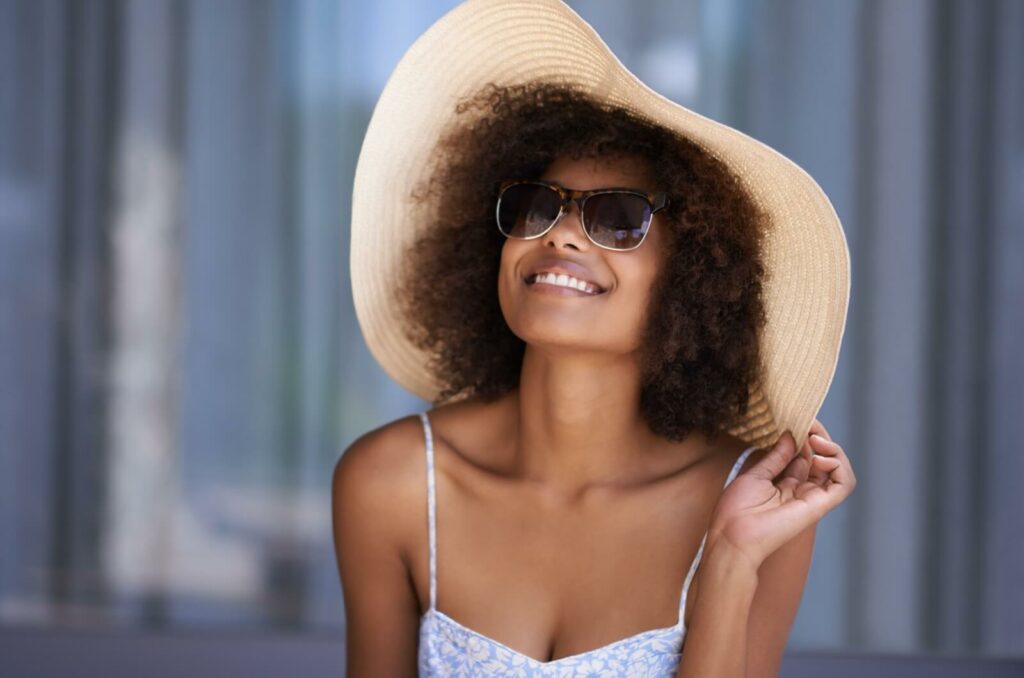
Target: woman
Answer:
[[589, 290]]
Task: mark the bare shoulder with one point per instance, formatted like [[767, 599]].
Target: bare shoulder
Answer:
[[378, 496], [381, 478], [389, 450]]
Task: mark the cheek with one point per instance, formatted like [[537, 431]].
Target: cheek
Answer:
[[635, 307], [507, 275], [644, 276], [506, 269], [637, 274], [628, 308]]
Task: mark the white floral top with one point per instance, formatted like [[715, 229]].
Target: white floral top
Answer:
[[449, 649]]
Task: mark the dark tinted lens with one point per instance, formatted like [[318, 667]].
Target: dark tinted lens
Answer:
[[617, 220], [524, 210]]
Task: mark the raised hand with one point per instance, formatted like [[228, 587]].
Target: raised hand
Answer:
[[782, 494]]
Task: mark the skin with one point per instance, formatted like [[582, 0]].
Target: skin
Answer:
[[540, 492]]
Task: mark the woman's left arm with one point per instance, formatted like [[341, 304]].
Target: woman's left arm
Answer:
[[781, 580], [758, 555]]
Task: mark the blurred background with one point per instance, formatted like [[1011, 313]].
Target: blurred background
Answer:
[[180, 364]]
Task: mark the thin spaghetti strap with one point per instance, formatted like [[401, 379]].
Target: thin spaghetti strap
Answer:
[[700, 551], [736, 467], [431, 508]]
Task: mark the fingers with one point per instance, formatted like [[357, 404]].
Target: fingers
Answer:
[[799, 466], [805, 450], [816, 427], [823, 446], [830, 467], [821, 467], [794, 475], [822, 464], [777, 459], [830, 477], [819, 428]]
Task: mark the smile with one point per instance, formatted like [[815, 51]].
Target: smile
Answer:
[[552, 282]]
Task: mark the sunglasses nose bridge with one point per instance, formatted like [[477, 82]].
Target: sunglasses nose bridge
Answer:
[[570, 198], [565, 210], [567, 204]]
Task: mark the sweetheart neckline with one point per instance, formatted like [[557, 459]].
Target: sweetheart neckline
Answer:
[[679, 625]]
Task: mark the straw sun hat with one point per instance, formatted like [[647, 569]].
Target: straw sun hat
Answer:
[[515, 41]]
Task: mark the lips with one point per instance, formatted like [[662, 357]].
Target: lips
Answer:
[[558, 265]]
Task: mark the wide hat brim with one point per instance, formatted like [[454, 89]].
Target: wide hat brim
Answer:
[[512, 42]]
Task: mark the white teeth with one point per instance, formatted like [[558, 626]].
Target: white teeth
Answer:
[[564, 280]]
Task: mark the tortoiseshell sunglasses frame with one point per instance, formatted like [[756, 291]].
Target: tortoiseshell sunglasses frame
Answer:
[[656, 201]]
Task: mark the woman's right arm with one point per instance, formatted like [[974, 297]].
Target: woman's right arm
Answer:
[[369, 510]]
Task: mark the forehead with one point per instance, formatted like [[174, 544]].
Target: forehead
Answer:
[[601, 172]]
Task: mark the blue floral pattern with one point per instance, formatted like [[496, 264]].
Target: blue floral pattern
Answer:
[[448, 649]]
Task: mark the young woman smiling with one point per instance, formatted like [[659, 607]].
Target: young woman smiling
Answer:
[[608, 475]]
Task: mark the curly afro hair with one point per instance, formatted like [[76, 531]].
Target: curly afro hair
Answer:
[[700, 351]]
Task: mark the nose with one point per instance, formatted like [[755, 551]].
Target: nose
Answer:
[[568, 230]]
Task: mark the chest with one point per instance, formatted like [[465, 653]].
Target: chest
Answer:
[[553, 579]]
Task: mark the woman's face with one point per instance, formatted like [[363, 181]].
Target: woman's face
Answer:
[[552, 316]]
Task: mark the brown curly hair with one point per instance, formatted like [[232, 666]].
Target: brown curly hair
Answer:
[[700, 353]]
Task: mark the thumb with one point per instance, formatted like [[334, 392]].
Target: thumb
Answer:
[[777, 459]]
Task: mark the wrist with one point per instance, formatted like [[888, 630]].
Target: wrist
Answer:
[[729, 562], [727, 579]]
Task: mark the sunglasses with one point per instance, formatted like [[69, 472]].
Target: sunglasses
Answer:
[[613, 218]]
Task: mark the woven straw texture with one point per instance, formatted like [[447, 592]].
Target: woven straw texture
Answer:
[[480, 41]]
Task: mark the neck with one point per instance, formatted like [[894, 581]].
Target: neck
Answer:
[[579, 421]]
